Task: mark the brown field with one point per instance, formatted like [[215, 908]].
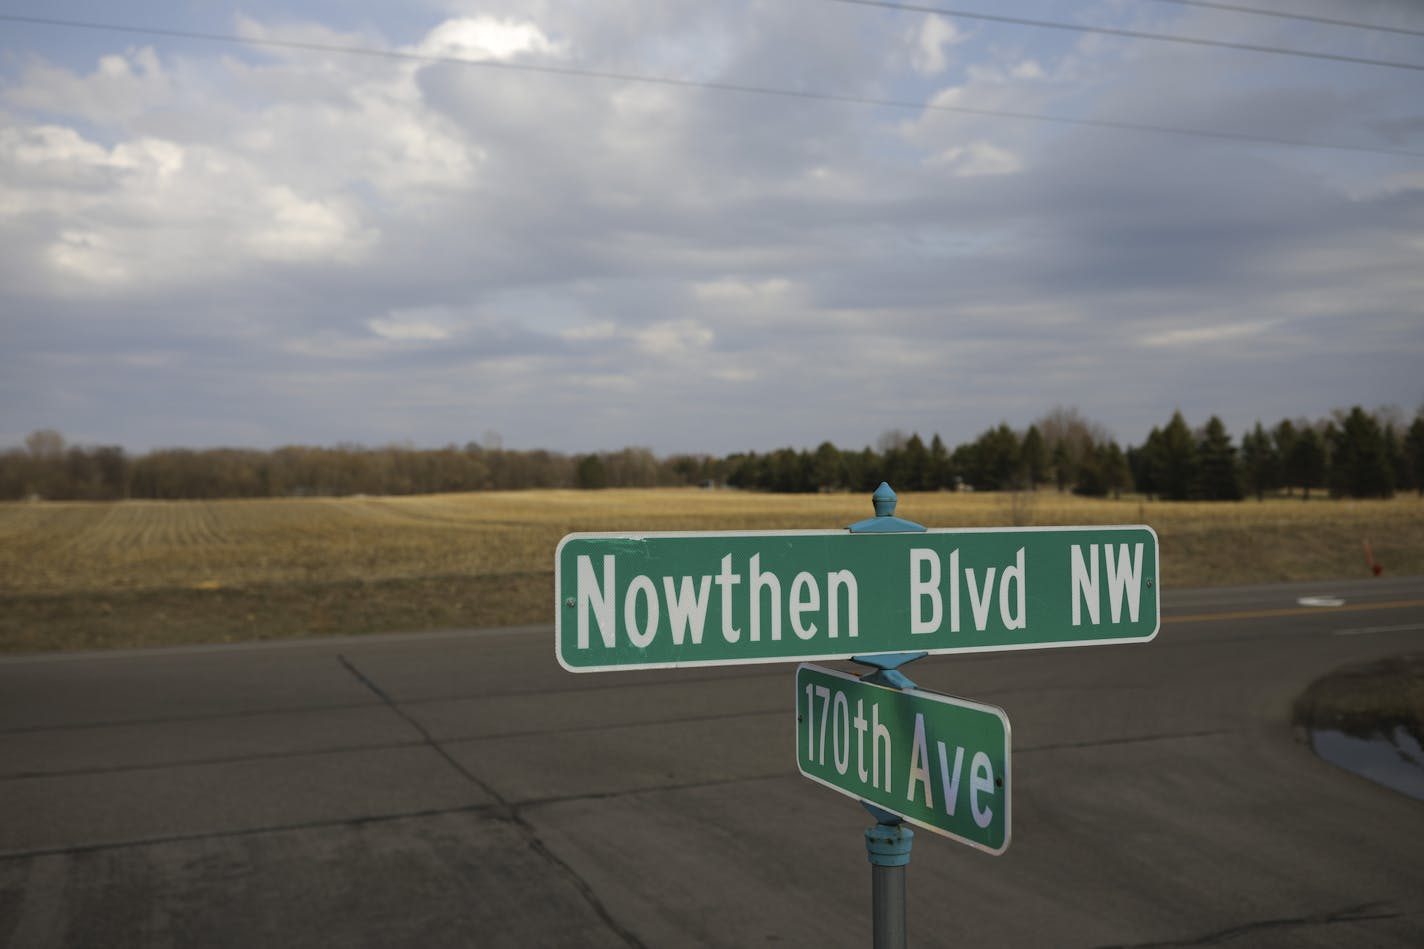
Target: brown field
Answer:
[[97, 575]]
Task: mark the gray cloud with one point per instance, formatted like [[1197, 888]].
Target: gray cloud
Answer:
[[256, 247]]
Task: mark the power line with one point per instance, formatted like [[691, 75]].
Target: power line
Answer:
[[740, 88], [1302, 17], [1131, 34]]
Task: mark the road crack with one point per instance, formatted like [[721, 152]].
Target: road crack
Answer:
[[505, 809], [1128, 740], [1350, 914]]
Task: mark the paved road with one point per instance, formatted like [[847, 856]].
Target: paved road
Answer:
[[462, 789]]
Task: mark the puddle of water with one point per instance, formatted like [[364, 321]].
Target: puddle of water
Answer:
[[1395, 760]]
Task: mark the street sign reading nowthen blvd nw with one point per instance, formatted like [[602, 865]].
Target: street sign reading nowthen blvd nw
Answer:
[[939, 762], [655, 600]]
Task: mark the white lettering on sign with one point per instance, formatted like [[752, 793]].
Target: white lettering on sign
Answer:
[[841, 725], [925, 587], [1085, 584], [832, 723], [769, 582], [829, 723], [860, 726], [919, 761], [949, 789], [843, 580], [805, 596], [1124, 576], [726, 580], [596, 599], [878, 733], [686, 600], [1013, 618], [687, 609], [927, 582], [981, 781], [835, 722], [641, 638]]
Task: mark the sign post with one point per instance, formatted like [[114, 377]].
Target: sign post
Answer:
[[882, 593]]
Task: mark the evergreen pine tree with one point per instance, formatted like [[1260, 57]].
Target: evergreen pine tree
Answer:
[[1035, 457], [1359, 458], [1217, 477], [1307, 460], [1259, 462], [1414, 454], [1178, 460]]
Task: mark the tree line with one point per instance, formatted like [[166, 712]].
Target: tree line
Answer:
[[1352, 453]]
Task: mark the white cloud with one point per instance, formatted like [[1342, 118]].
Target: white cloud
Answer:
[[149, 157], [291, 227], [420, 325], [736, 374], [673, 339], [332, 347], [485, 37], [44, 146], [122, 87], [158, 213], [402, 146], [618, 383], [954, 138], [91, 256], [977, 159], [928, 55], [1027, 69], [729, 290], [1200, 336], [373, 128], [602, 329]]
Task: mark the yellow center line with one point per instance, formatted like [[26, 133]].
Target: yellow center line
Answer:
[[1292, 611]]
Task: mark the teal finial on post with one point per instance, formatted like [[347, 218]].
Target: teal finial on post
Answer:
[[884, 521], [885, 668]]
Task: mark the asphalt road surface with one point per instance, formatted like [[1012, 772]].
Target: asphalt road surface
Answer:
[[461, 789]]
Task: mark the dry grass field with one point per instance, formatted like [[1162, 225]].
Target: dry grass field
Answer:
[[97, 575]]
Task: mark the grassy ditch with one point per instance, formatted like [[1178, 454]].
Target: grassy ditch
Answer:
[[1367, 699], [172, 617]]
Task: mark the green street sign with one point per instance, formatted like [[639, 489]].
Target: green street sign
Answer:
[[660, 600], [940, 763]]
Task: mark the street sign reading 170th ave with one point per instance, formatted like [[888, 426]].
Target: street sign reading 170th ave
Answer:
[[939, 762], [639, 601]]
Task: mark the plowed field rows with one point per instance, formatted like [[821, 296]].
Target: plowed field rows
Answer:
[[135, 545]]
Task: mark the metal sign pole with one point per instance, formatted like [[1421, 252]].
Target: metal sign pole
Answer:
[[888, 843]]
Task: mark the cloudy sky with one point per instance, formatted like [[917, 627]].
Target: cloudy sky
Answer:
[[347, 220]]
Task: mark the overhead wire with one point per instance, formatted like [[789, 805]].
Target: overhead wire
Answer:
[[1301, 17], [702, 84], [1130, 34]]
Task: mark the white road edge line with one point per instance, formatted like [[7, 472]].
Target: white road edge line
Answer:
[[1365, 630], [313, 643]]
